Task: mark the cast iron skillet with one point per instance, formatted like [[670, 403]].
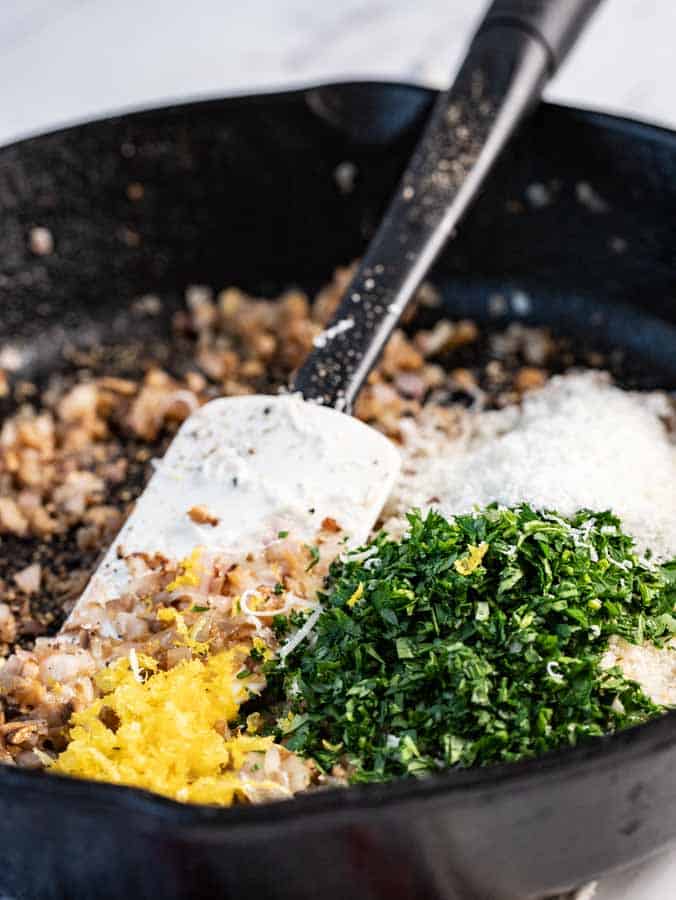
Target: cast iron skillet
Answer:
[[243, 191]]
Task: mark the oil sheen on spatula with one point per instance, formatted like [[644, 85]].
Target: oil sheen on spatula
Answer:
[[253, 466]]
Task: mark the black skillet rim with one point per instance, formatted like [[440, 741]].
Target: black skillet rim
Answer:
[[599, 753]]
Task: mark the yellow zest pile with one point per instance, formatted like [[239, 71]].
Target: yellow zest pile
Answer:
[[164, 730]]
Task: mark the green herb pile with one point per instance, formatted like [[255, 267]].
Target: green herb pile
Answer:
[[471, 641]]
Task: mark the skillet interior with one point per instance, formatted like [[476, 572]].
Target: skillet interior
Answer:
[[243, 191]]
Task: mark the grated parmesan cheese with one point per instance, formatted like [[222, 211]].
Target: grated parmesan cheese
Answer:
[[654, 668], [578, 442]]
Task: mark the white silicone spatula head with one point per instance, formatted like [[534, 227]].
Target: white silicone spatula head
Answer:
[[241, 470]]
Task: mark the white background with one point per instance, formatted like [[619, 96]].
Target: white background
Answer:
[[65, 60]]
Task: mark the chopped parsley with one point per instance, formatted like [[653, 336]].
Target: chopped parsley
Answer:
[[280, 625], [314, 556], [257, 654], [472, 641]]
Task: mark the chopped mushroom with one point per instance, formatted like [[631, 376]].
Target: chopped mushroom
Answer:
[[28, 579]]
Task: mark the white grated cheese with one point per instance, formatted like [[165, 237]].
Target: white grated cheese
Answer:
[[654, 668], [134, 665], [579, 442], [300, 635]]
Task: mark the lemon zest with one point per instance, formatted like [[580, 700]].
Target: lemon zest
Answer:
[[254, 722], [260, 645], [169, 615], [190, 571], [117, 673], [255, 602], [356, 597], [166, 740], [467, 564], [55, 686]]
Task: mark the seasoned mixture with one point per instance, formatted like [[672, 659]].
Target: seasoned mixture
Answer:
[[518, 596]]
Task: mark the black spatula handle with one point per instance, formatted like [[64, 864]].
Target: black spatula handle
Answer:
[[505, 69], [557, 24]]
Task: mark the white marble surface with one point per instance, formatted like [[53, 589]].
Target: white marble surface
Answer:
[[65, 60]]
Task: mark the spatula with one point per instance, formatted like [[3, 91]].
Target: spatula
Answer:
[[242, 470]]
